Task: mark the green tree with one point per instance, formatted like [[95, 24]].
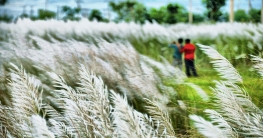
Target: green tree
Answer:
[[24, 15], [158, 15], [45, 14], [254, 15], [172, 13], [70, 13], [6, 18], [181, 14], [123, 9], [173, 8], [213, 8], [176, 13], [130, 11], [134, 11], [217, 17], [241, 16], [197, 18], [224, 17], [96, 14], [140, 13], [3, 2]]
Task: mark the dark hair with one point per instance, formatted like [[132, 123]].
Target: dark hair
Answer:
[[187, 40], [180, 40]]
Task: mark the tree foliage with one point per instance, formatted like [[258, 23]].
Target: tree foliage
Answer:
[[3, 2], [217, 16], [197, 18], [6, 18], [70, 13], [175, 13], [159, 15], [96, 14], [135, 11], [173, 8], [213, 7], [172, 13], [129, 11], [254, 15], [45, 14], [241, 16]]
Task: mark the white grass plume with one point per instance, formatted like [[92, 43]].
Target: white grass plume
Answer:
[[233, 102], [221, 123], [8, 123], [224, 68], [236, 107], [39, 128], [61, 130], [141, 33], [25, 96], [53, 113], [125, 118], [258, 64], [62, 90], [4, 133], [161, 118], [26, 100], [217, 128], [148, 126], [92, 88], [230, 95], [87, 107], [57, 122], [76, 109]]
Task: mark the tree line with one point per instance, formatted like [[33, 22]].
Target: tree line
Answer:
[[132, 10]]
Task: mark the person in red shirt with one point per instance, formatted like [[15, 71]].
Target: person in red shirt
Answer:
[[189, 56]]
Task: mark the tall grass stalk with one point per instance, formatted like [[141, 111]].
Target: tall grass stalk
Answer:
[[223, 67], [24, 113], [127, 121], [258, 64], [232, 102], [76, 109], [161, 118], [208, 128]]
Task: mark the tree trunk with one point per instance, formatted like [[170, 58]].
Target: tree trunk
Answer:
[[212, 16], [231, 15], [190, 16]]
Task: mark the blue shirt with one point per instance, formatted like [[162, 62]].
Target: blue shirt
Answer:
[[177, 54]]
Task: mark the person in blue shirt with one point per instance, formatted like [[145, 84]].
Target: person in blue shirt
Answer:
[[177, 56]]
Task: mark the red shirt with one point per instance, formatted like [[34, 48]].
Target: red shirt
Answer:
[[189, 51]]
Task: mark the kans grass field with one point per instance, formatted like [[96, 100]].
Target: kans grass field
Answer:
[[92, 79]]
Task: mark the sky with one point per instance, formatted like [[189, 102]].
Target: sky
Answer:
[[15, 7]]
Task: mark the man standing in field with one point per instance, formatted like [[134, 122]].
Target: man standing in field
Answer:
[[177, 56], [189, 55]]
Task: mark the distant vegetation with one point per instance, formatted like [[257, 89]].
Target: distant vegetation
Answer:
[[135, 11]]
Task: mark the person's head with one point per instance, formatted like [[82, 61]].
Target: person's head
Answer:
[[187, 41], [180, 40]]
